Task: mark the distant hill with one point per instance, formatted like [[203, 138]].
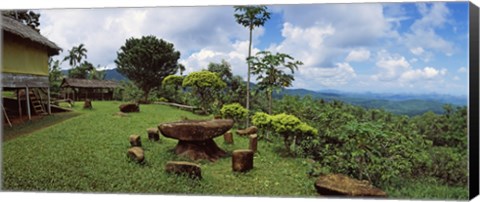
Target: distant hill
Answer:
[[405, 104]]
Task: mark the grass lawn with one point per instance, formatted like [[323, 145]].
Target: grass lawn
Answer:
[[87, 153]]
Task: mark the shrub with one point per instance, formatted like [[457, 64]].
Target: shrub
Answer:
[[291, 128], [366, 152], [449, 165], [234, 111]]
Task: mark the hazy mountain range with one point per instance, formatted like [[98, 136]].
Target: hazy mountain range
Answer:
[[398, 103]]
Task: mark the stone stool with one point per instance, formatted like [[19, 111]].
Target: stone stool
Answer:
[[242, 160]]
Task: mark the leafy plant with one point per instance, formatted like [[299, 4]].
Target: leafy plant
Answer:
[[204, 84], [234, 111], [146, 61]]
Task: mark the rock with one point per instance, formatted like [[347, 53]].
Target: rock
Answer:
[[136, 154], [87, 104], [184, 168], [247, 131], [195, 138], [341, 185], [135, 141], [195, 130], [228, 137], [253, 142], [129, 107], [196, 150], [242, 160], [153, 134]]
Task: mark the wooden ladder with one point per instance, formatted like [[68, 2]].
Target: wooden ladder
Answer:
[[36, 101]]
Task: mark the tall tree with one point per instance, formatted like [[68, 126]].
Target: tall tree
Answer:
[[76, 55], [251, 17], [147, 61], [83, 71], [54, 75], [204, 84], [27, 17], [268, 67]]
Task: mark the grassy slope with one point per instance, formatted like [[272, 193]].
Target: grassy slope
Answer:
[[87, 153]]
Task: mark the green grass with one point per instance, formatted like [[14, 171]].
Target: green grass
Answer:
[[87, 153], [427, 189], [29, 127]]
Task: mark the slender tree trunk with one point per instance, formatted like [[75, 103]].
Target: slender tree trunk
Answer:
[[269, 102], [248, 75]]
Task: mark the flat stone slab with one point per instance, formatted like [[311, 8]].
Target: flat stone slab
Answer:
[[341, 185], [247, 131], [195, 130]]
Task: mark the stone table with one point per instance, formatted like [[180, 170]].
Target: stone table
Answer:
[[195, 137]]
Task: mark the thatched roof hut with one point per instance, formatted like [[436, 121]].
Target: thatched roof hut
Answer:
[[25, 54], [89, 88], [88, 83]]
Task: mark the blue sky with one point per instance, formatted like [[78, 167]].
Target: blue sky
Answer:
[[389, 47]]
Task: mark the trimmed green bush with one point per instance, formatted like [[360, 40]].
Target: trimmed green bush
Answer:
[[234, 111]]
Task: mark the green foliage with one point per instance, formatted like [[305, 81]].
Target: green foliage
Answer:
[[449, 165], [262, 120], [234, 111], [380, 146], [270, 75], [130, 92], [147, 61], [205, 84], [171, 86], [76, 55], [54, 77], [365, 151]]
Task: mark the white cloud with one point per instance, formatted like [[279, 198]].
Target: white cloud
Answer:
[[358, 55], [390, 66], [417, 50], [422, 31], [104, 31], [462, 70], [427, 73], [236, 55], [311, 77]]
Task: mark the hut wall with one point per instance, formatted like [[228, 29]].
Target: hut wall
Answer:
[[20, 56]]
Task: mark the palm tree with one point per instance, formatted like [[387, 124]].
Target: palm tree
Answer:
[[270, 75], [75, 55], [71, 57], [251, 17]]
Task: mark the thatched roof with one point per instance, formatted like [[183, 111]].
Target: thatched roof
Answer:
[[86, 83], [17, 28]]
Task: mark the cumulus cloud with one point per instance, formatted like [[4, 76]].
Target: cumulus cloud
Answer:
[[236, 57], [423, 31], [358, 55], [462, 70], [427, 73], [335, 76], [391, 66], [104, 31]]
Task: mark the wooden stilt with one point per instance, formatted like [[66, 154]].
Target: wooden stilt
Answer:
[[19, 104], [6, 116], [48, 99], [27, 93]]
